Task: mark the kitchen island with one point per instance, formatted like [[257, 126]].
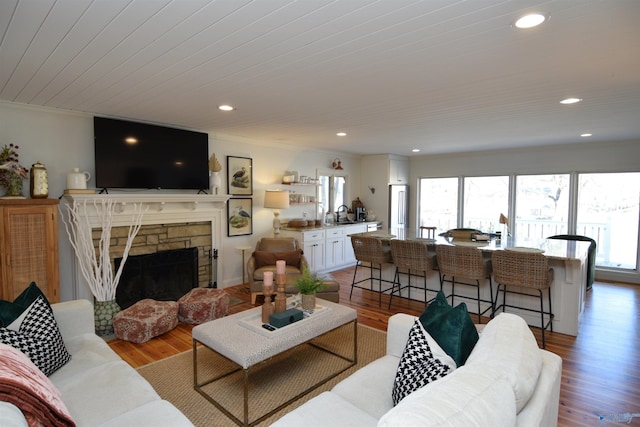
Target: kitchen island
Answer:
[[567, 258]]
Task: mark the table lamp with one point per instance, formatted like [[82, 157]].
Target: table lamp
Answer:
[[276, 200]]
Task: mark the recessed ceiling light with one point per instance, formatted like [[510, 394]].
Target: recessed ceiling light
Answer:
[[416, 150], [568, 101], [341, 134], [586, 135], [225, 108], [530, 20]]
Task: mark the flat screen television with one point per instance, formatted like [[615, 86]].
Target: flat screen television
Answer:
[[142, 156]]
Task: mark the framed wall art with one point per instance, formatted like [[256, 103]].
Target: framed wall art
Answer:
[[240, 176], [240, 216]]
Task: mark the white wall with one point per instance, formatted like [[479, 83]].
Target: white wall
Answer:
[[63, 140], [592, 157]]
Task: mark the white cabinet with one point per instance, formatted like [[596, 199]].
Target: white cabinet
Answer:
[[314, 253], [313, 244], [349, 256], [398, 171], [334, 247], [329, 248]]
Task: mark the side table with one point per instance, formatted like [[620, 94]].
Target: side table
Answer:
[[243, 248]]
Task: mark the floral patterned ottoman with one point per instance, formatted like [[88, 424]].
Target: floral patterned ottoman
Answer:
[[145, 319], [203, 304]]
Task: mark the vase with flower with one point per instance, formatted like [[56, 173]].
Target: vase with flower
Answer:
[[12, 174]]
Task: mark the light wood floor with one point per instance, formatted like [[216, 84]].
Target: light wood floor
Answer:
[[601, 367]]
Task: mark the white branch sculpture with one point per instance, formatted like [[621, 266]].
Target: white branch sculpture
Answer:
[[95, 269]]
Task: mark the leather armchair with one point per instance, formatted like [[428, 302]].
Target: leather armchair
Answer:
[[267, 251]]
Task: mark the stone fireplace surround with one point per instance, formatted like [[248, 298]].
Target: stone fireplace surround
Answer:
[[175, 209]]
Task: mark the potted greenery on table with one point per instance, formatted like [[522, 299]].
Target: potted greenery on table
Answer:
[[308, 285]]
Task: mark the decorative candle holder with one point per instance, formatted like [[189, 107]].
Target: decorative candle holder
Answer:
[[281, 297], [267, 307]]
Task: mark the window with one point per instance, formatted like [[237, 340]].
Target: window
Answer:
[[485, 198], [603, 206], [438, 203], [608, 212], [542, 205]]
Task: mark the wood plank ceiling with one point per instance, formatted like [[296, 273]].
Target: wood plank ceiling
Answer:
[[438, 75]]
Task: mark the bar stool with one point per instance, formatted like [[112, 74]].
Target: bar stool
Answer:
[[591, 257], [370, 250], [465, 262], [528, 271], [412, 256], [431, 232]]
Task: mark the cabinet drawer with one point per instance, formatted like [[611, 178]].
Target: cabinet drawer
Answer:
[[334, 232], [312, 236]]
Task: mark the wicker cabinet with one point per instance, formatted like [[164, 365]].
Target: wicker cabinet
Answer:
[[29, 247]]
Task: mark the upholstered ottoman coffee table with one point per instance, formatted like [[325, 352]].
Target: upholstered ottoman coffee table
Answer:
[[201, 305], [248, 347], [145, 319]]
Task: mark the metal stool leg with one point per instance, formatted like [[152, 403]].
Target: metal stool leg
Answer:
[[353, 282], [542, 325], [393, 286], [550, 311], [478, 292]]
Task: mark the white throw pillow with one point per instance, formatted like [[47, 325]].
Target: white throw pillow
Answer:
[[471, 396], [508, 345]]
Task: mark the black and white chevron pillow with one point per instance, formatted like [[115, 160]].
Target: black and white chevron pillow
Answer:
[[418, 366], [39, 338]]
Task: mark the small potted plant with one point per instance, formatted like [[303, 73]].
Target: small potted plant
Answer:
[[308, 285]]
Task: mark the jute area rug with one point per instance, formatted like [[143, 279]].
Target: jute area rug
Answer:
[[272, 383]]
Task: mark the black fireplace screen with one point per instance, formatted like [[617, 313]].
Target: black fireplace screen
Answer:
[[162, 276]]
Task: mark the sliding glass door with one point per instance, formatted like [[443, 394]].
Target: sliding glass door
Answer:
[[608, 212]]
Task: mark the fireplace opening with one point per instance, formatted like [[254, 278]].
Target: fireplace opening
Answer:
[[162, 276]]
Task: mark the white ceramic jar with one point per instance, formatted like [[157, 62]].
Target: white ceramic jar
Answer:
[[77, 180]]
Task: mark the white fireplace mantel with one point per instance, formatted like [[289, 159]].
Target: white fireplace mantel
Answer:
[[158, 209]]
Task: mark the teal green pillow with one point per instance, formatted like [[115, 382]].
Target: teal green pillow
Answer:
[[10, 311], [451, 327]]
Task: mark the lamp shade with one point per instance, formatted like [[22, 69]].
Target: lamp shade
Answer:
[[276, 199]]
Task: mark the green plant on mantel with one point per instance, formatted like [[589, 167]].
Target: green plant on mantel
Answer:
[[10, 168], [308, 283]]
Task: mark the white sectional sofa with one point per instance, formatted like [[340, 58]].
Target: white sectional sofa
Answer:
[[506, 381], [97, 386]]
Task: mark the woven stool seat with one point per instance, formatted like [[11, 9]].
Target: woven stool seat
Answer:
[[145, 319], [530, 275], [370, 250], [201, 305], [412, 259], [455, 262]]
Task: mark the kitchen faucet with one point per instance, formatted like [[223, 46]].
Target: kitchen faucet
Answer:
[[346, 209]]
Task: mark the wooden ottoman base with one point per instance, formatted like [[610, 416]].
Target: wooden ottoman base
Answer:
[[145, 319], [202, 305]]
